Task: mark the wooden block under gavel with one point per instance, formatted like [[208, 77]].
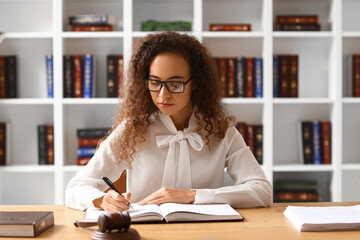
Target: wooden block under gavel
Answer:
[[111, 226]]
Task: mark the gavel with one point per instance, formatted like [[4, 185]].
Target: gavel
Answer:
[[108, 223]]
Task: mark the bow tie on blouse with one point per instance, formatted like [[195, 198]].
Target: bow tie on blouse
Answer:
[[177, 171]]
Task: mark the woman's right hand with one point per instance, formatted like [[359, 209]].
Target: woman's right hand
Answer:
[[113, 202]]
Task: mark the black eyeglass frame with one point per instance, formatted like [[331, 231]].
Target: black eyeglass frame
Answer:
[[165, 83]]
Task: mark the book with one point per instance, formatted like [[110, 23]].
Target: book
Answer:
[[50, 144], [174, 212], [91, 132], [68, 76], [276, 77], [296, 197], [297, 27], [249, 76], [86, 151], [326, 141], [78, 76], [93, 19], [317, 146], [296, 19], [258, 143], [92, 28], [11, 76], [88, 142], [42, 144], [356, 75], [89, 76], [2, 77], [223, 76], [331, 218], [115, 69], [50, 75], [3, 143], [296, 191], [231, 77], [25, 224], [307, 142], [240, 77], [230, 27], [294, 62], [258, 77]]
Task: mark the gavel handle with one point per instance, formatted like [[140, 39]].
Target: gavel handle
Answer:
[[85, 223]]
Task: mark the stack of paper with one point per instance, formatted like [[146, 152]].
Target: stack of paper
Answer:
[[324, 218]]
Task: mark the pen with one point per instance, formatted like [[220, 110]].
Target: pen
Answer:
[[111, 185]]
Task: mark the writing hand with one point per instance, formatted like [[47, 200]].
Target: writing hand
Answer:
[[113, 202], [164, 195]]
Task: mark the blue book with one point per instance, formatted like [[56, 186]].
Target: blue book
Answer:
[[240, 83], [317, 149], [276, 77], [258, 77], [86, 151], [50, 76], [88, 84]]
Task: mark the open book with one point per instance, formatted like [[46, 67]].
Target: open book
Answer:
[[174, 212], [324, 218]]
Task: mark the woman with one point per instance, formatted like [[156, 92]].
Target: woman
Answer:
[[172, 136]]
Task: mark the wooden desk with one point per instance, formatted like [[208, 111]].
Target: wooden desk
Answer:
[[261, 223]]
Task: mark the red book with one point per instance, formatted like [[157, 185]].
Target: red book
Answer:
[[231, 77], [88, 142], [120, 75], [78, 73], [356, 75], [297, 19], [242, 128], [2, 77], [90, 28], [230, 27], [294, 76], [250, 73], [223, 71], [82, 160], [284, 75], [326, 141], [50, 144], [296, 196]]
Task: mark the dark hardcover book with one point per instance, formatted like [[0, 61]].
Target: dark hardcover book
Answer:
[[88, 142], [68, 72], [103, 28], [276, 76], [295, 186], [25, 224], [356, 75], [86, 151], [258, 77], [250, 74], [258, 143], [89, 80], [242, 128], [223, 73], [294, 62], [240, 79], [78, 76], [112, 69], [231, 77], [297, 27], [42, 144], [307, 141], [92, 132], [297, 19], [326, 141], [317, 146], [3, 144], [82, 160], [230, 27], [11, 77], [250, 137], [2, 77], [284, 75], [50, 144], [296, 197], [50, 75], [93, 19]]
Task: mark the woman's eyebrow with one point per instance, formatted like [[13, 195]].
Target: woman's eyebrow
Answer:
[[170, 78]]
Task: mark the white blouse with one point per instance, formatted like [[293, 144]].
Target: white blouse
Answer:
[[176, 159]]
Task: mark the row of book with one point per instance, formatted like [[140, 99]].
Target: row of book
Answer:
[[8, 76], [296, 191], [355, 75], [297, 23], [88, 139], [253, 136], [92, 22], [316, 142], [241, 76], [46, 144], [285, 76]]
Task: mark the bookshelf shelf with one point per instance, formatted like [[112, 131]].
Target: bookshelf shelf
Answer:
[[323, 85]]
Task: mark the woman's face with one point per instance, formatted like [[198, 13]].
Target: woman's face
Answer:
[[172, 67]]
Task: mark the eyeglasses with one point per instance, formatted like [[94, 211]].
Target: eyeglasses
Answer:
[[171, 86]]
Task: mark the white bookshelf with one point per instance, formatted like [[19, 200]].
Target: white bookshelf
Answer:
[[42, 29]]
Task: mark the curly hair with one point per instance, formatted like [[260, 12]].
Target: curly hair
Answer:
[[138, 106]]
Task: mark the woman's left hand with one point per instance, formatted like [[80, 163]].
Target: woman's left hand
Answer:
[[165, 195]]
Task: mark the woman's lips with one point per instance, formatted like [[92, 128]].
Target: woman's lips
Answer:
[[165, 105]]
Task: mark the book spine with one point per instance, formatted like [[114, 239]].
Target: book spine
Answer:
[[326, 141], [294, 76], [3, 144], [242, 128], [297, 19], [276, 76], [86, 151], [231, 77], [43, 224], [223, 82], [258, 77], [250, 85], [42, 144], [11, 80], [68, 76], [296, 197], [111, 63], [50, 75], [258, 143], [120, 76], [317, 151], [92, 132], [88, 85], [230, 27], [356, 75], [298, 27], [92, 28], [50, 144], [307, 141], [295, 186], [240, 72], [100, 19], [284, 75], [250, 137], [78, 74], [88, 142], [2, 77]]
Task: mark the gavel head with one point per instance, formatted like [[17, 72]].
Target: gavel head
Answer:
[[114, 221]]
